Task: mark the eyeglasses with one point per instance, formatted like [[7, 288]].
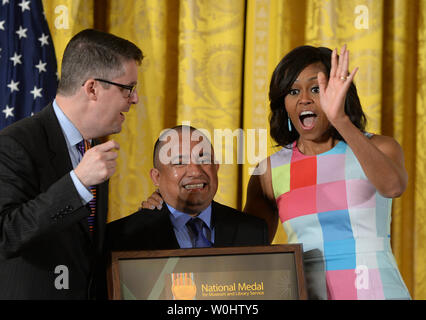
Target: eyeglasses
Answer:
[[124, 86]]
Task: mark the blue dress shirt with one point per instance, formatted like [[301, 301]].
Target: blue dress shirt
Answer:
[[72, 138], [183, 234]]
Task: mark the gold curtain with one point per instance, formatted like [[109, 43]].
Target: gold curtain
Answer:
[[153, 26], [65, 19], [211, 40], [183, 42], [209, 62]]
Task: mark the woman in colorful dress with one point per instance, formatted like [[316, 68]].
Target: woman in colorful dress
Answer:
[[332, 183]]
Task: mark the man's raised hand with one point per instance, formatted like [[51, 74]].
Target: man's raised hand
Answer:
[[98, 164]]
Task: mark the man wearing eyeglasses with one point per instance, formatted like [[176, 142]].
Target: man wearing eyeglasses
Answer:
[[54, 174]]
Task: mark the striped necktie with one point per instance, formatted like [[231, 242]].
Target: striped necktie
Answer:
[[82, 147], [196, 225]]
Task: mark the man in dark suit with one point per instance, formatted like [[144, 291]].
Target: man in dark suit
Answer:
[[49, 246], [186, 174]]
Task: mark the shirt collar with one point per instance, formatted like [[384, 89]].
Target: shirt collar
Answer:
[[179, 219], [72, 135]]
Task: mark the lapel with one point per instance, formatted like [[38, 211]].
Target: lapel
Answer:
[[163, 231], [224, 228], [60, 162], [143, 230], [59, 158], [101, 214]]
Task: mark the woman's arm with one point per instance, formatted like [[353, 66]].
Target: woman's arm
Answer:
[[380, 157], [260, 200]]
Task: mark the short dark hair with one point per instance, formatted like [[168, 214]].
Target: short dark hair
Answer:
[[160, 141], [283, 77], [97, 54]]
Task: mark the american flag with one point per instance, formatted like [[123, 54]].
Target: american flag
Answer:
[[28, 70]]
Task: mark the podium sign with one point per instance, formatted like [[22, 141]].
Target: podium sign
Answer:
[[255, 273]]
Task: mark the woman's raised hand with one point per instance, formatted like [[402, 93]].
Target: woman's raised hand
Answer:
[[333, 92]]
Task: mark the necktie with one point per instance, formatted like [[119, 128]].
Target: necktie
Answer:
[[196, 226], [82, 147]]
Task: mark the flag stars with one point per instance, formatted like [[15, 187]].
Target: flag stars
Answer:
[[27, 60], [25, 5], [36, 92], [13, 86], [22, 33], [41, 66], [8, 112], [16, 59], [43, 39]]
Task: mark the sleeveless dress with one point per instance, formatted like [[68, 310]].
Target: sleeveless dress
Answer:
[[327, 203]]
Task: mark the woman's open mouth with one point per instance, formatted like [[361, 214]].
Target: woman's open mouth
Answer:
[[307, 119]]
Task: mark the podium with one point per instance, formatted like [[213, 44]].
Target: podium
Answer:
[[233, 273]]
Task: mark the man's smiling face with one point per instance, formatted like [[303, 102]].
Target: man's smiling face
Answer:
[[188, 181]]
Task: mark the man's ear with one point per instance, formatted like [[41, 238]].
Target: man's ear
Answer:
[[155, 176], [90, 87]]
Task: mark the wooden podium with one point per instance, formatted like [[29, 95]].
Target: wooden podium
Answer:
[[233, 273]]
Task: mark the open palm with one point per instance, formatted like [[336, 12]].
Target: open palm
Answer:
[[333, 92]]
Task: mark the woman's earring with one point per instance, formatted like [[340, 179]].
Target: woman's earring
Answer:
[[289, 124]]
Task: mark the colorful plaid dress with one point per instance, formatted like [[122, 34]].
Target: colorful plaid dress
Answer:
[[327, 203]]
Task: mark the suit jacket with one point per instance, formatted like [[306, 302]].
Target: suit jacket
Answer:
[[43, 223], [152, 230]]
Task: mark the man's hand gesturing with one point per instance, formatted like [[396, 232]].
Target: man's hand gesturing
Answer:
[[98, 164]]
